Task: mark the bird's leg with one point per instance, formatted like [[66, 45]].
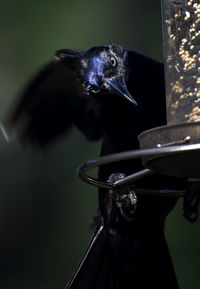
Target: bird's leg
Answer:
[[191, 201], [124, 197]]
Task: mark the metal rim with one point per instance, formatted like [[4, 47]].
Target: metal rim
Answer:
[[134, 154]]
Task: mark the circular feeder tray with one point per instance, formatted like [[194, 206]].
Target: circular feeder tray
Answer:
[[186, 162]]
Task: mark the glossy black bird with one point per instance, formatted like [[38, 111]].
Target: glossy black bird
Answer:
[[113, 93]]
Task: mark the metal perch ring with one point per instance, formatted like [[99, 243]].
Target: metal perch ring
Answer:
[[154, 153]]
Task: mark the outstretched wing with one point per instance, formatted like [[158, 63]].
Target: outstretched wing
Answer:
[[51, 103]]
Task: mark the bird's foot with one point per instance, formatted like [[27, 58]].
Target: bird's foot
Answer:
[[124, 197], [191, 201]]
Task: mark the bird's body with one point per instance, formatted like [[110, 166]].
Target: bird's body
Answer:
[[94, 90], [140, 257]]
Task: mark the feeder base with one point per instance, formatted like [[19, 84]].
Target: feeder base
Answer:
[[186, 164]]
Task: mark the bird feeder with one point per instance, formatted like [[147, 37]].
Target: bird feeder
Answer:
[[181, 37], [173, 149]]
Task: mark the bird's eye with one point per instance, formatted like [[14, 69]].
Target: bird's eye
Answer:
[[113, 61], [95, 90]]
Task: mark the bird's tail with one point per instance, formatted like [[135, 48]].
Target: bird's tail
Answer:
[[92, 271], [125, 261]]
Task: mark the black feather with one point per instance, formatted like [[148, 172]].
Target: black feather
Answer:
[[51, 103], [126, 254]]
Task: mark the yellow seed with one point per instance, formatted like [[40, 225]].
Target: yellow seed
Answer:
[[195, 109]]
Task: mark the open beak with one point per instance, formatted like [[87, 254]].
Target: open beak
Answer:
[[118, 84]]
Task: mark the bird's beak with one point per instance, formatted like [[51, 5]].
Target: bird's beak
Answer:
[[118, 84]]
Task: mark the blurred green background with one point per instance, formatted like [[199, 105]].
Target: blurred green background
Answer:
[[44, 207]]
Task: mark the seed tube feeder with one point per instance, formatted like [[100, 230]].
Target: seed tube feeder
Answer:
[[181, 37]]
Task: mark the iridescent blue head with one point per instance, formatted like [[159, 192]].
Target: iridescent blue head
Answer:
[[103, 69]]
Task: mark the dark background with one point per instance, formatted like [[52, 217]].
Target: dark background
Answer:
[[44, 207]]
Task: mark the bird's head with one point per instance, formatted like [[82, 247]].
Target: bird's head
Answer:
[[103, 70]]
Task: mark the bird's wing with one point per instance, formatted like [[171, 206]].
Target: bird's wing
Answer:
[[51, 103]]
